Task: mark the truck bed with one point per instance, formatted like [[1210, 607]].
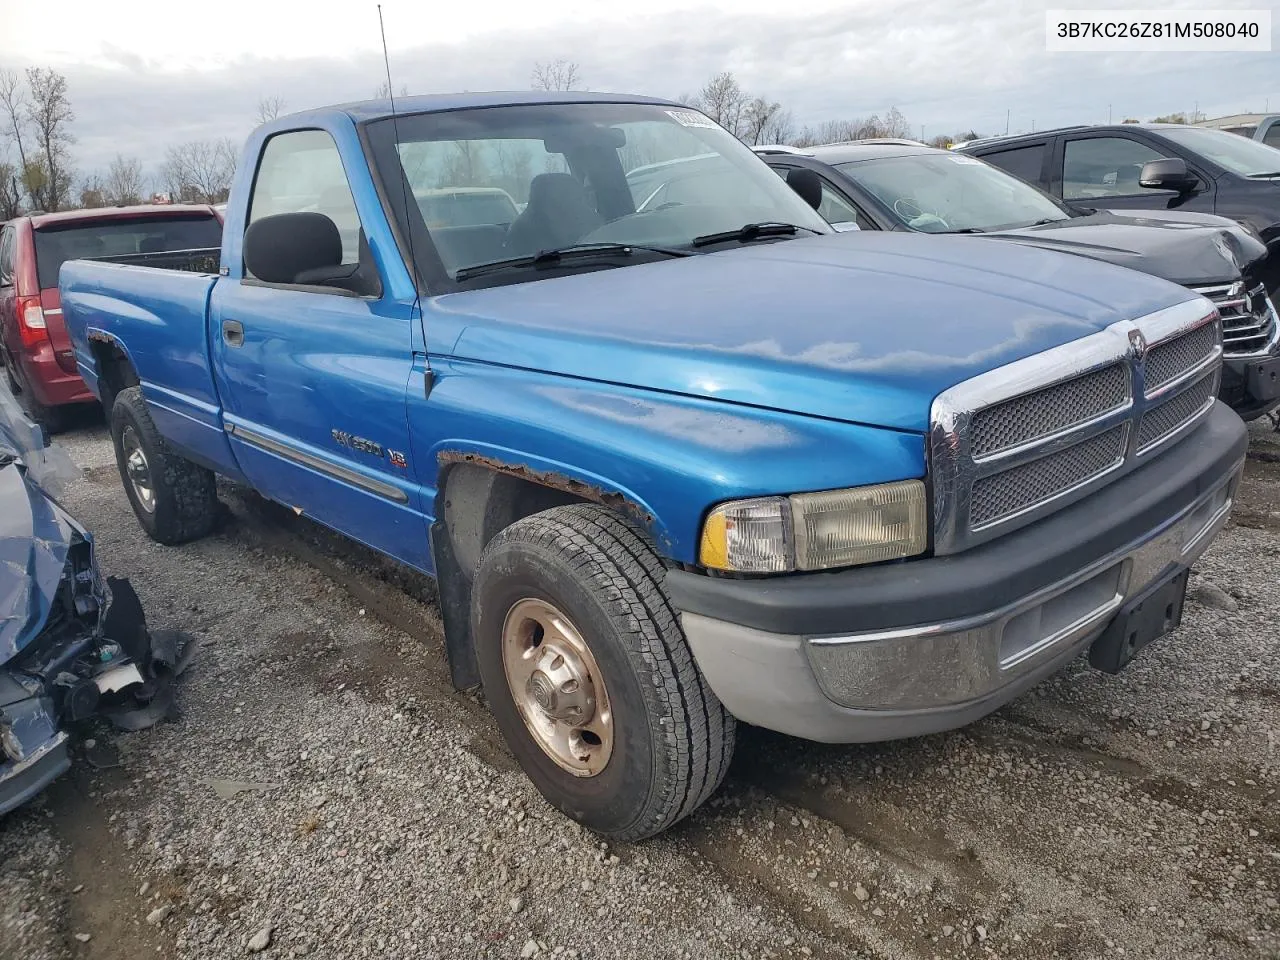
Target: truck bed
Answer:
[[156, 316]]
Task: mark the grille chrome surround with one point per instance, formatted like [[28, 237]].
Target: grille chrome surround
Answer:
[[1250, 325], [1024, 440]]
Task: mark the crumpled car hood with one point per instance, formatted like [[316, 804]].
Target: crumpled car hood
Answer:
[[35, 537], [1187, 248]]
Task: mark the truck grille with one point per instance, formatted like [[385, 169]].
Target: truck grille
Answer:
[[1010, 492], [1024, 440], [1248, 318], [1027, 418], [1160, 421]]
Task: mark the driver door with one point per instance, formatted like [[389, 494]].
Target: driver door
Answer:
[[1102, 172], [314, 379]]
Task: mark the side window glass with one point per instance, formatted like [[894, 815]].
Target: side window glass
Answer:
[[1272, 137], [1103, 167], [835, 208], [1025, 163], [301, 172], [6, 257]]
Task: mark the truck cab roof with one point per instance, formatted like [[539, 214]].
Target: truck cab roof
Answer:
[[367, 111]]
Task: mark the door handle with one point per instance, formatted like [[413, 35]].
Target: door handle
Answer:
[[233, 333]]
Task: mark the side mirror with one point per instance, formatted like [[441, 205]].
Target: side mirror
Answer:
[[303, 248], [807, 184], [1171, 173]]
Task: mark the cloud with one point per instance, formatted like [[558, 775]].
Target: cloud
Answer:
[[946, 66]]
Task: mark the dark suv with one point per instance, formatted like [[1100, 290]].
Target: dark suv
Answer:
[[1152, 166]]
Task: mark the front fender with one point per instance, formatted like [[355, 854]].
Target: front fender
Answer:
[[662, 458]]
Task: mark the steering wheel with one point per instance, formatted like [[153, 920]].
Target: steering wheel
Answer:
[[908, 208]]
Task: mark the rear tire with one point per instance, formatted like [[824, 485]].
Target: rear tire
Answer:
[[53, 419], [174, 499], [667, 742]]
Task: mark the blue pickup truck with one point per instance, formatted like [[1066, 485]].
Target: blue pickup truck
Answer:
[[680, 460]]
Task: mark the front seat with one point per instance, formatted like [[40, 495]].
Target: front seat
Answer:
[[559, 213]]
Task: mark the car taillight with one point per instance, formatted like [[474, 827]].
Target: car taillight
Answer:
[[31, 322]]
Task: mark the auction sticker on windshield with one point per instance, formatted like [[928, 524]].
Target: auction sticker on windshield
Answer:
[[691, 118]]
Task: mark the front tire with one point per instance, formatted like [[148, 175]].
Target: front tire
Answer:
[[174, 499], [589, 676]]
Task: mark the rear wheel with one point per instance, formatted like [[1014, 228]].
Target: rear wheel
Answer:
[[53, 419], [174, 499], [589, 676]]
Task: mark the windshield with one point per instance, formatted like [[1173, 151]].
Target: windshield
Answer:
[[1231, 152], [947, 192], [505, 182], [89, 239]]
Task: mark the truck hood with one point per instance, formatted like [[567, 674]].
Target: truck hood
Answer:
[[1187, 248], [860, 327]]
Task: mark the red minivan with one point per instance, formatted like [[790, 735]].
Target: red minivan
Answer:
[[37, 353]]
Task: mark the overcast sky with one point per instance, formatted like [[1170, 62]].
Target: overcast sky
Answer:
[[146, 74]]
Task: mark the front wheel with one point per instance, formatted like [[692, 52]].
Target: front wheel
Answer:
[[174, 499], [589, 676]]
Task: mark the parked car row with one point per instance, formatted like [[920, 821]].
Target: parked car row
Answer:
[[679, 453]]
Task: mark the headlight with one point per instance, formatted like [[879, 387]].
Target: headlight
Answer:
[[817, 531]]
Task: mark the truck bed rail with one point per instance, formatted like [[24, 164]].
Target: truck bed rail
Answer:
[[198, 260]]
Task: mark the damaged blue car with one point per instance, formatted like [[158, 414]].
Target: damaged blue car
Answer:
[[73, 644]]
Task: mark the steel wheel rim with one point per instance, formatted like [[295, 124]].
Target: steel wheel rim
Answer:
[[557, 687], [138, 470]]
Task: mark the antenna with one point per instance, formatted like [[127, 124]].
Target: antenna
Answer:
[[428, 376]]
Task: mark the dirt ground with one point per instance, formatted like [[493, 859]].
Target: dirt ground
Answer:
[[1096, 816]]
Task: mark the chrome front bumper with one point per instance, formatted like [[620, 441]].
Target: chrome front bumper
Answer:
[[946, 663]]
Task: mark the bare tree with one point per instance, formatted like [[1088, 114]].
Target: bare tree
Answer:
[[755, 119], [10, 192], [124, 184], [723, 100], [384, 91], [13, 101], [555, 75], [93, 193], [200, 171], [49, 112], [780, 128], [269, 108], [466, 167]]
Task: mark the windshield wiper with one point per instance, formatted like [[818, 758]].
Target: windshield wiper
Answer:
[[1263, 176], [547, 258], [961, 230], [751, 231]]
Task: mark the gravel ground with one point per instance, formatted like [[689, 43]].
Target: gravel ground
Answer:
[[1097, 816]]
